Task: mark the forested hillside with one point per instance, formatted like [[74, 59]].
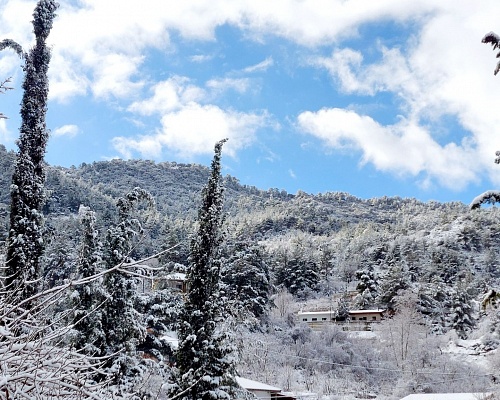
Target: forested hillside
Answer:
[[329, 250]]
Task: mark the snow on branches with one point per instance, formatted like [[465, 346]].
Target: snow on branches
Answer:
[[488, 197], [494, 40], [4, 86], [34, 362]]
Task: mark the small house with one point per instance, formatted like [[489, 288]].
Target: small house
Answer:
[[366, 315], [263, 391], [175, 280], [357, 320]]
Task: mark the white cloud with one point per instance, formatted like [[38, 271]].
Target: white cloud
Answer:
[[10, 26], [200, 58], [432, 78], [168, 96], [66, 130], [260, 67], [188, 126], [194, 129], [100, 45], [5, 134], [402, 149], [147, 146], [240, 85]]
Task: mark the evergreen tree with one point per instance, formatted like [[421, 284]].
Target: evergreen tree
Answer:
[[89, 298], [246, 277], [205, 363], [122, 323], [461, 318], [299, 275], [160, 310], [342, 310], [25, 242], [396, 278], [434, 303], [60, 254], [367, 288]]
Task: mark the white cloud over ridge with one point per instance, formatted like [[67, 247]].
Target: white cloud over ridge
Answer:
[[193, 130], [401, 149], [189, 127]]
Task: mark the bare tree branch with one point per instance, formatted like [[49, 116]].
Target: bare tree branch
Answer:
[[4, 87]]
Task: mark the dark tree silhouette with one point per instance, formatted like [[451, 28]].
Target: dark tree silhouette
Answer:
[[25, 242]]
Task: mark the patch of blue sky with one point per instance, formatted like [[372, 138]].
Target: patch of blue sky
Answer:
[[446, 129]]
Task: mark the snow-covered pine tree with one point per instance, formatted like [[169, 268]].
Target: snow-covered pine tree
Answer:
[[367, 288], [88, 298], [205, 361], [342, 310], [160, 310], [395, 279], [461, 318], [434, 303], [25, 241], [298, 274], [246, 277], [121, 322]]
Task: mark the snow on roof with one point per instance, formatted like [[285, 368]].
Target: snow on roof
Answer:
[[366, 311], [317, 312], [248, 384], [173, 341], [448, 396], [176, 276], [379, 311]]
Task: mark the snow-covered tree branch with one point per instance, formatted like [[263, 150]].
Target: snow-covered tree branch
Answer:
[[494, 40], [488, 197], [4, 86]]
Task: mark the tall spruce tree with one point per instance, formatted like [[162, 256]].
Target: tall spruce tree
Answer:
[[247, 279], [461, 313], [121, 322], [25, 241], [204, 359], [89, 298]]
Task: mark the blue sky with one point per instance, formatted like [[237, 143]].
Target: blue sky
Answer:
[[374, 98]]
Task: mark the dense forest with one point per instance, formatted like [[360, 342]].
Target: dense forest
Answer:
[[429, 264]]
